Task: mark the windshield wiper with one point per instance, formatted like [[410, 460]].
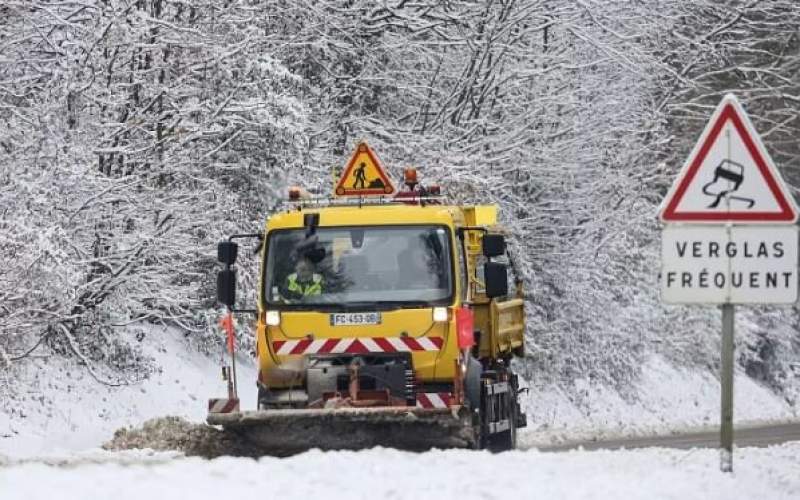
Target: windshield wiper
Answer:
[[382, 305], [409, 304], [387, 305], [365, 306], [360, 306], [293, 306]]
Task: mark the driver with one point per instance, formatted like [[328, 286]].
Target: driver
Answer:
[[304, 282]]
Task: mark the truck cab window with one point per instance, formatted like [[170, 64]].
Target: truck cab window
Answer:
[[389, 265]]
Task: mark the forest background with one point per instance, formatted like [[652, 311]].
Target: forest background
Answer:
[[135, 134]]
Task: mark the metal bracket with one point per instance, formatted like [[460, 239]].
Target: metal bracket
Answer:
[[498, 388], [499, 426]]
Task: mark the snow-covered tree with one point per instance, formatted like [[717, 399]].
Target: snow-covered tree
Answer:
[[135, 134]]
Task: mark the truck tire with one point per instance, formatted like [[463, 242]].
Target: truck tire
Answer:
[[506, 440], [506, 404], [503, 441]]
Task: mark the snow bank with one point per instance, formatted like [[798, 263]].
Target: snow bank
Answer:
[[380, 473], [60, 407], [666, 399]]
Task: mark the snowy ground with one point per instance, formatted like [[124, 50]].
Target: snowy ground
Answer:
[[63, 408], [49, 432], [376, 474]]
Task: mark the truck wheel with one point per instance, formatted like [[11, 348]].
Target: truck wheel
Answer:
[[506, 440], [498, 407]]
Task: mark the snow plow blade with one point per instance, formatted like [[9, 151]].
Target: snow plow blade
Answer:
[[290, 431]]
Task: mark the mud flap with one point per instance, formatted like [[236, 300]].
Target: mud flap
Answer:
[[472, 383]]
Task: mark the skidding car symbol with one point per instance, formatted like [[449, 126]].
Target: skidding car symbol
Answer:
[[728, 177]]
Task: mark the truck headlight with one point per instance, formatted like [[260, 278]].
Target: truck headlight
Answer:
[[440, 314], [273, 318]]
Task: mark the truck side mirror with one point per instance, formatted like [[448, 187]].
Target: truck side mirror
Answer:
[[494, 245], [226, 287], [226, 252], [495, 276]]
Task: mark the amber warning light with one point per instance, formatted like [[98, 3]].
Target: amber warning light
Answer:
[[297, 193], [410, 177]]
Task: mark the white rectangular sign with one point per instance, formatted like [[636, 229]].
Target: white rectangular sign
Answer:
[[734, 264]]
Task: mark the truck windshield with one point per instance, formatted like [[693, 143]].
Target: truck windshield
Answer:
[[359, 267]]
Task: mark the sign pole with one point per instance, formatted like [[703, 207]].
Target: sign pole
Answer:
[[726, 380]]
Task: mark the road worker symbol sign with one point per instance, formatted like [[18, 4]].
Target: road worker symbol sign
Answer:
[[364, 175], [729, 176]]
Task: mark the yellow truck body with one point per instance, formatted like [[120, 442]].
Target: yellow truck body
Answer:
[[501, 321]]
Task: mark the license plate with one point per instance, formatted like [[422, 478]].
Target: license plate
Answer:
[[350, 319]]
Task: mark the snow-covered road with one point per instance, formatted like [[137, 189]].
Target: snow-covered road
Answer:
[[772, 473]]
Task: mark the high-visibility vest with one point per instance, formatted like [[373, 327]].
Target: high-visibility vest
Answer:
[[305, 289]]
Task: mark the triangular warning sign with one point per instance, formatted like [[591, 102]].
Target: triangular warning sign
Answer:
[[729, 176], [364, 175]]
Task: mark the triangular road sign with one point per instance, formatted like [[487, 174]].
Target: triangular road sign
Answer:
[[364, 175], [729, 176]]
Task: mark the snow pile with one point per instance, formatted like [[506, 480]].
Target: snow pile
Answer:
[[381, 473], [176, 434]]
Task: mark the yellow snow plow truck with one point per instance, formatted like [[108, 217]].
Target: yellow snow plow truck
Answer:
[[384, 318]]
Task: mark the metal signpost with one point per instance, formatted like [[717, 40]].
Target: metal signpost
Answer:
[[730, 235]]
